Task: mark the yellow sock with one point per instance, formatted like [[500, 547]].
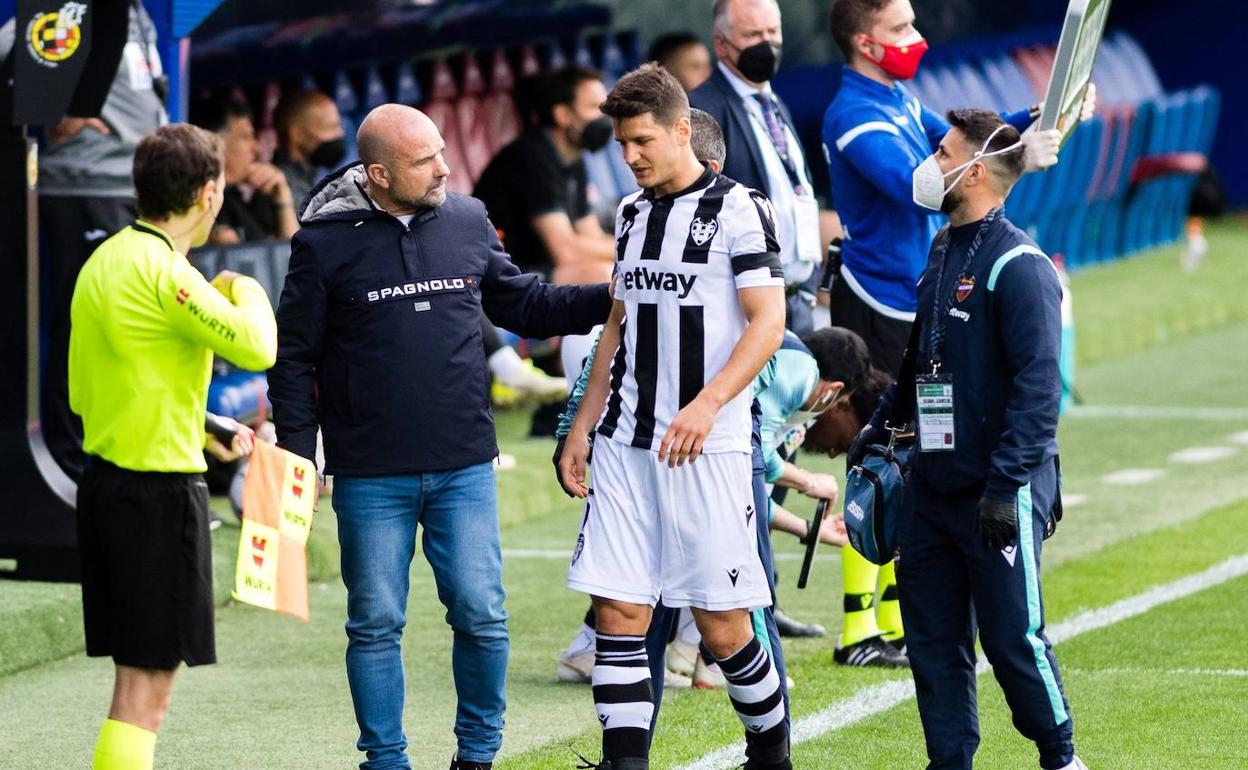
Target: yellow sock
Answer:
[[888, 615], [858, 578], [123, 746]]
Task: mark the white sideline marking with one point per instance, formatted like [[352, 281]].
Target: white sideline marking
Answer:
[[1234, 673], [1100, 411], [566, 554], [1070, 501], [1203, 454], [1131, 476], [877, 698], [1239, 438]]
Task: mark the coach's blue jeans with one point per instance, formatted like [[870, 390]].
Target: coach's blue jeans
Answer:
[[377, 520]]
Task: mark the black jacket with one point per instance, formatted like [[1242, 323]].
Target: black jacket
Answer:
[[379, 331], [1003, 339], [744, 160]]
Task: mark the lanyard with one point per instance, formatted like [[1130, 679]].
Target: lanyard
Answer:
[[940, 310]]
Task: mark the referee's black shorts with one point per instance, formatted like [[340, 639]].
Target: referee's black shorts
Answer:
[[886, 337], [143, 540]]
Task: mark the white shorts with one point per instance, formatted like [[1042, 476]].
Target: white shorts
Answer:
[[685, 534]]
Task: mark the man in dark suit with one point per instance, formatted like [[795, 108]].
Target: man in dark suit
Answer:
[[763, 150]]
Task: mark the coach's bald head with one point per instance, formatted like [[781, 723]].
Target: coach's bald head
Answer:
[[401, 149]]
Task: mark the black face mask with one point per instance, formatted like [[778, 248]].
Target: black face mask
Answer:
[[597, 133], [329, 154], [759, 62]]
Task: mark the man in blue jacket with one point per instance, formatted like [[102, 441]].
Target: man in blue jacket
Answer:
[[379, 345], [985, 487], [875, 133]]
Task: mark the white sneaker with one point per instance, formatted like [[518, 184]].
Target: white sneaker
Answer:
[[707, 676], [1075, 764], [789, 683], [675, 681], [682, 657], [576, 667]]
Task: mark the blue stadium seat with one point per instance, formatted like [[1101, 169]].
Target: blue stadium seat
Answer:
[[407, 86], [375, 93]]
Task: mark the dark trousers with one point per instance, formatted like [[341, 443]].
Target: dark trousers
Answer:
[[951, 583], [71, 228], [663, 621], [886, 337]]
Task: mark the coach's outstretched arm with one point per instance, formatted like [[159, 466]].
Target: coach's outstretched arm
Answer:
[[522, 303], [576, 448], [764, 309]]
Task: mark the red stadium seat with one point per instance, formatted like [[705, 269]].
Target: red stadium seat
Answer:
[[470, 116], [499, 109], [441, 110]]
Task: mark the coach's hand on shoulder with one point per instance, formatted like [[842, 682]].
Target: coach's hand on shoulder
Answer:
[[573, 458], [997, 522], [687, 432]]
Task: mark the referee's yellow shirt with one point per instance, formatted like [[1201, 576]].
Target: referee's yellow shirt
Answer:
[[145, 324]]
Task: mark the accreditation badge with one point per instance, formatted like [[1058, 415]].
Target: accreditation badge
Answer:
[[934, 399]]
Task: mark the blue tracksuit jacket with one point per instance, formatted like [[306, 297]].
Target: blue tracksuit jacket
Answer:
[[1002, 346], [874, 138]]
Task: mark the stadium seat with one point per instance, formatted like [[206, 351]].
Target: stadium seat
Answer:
[[441, 110], [499, 109], [470, 116], [407, 86], [375, 93], [243, 396], [266, 135]]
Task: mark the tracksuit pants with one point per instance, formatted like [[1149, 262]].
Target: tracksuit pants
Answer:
[[952, 584]]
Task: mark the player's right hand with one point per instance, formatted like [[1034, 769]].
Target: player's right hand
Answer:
[[572, 464]]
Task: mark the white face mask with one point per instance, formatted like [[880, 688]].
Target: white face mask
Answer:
[[804, 417], [928, 182]]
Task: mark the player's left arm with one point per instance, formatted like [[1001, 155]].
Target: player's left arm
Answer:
[[764, 309], [1028, 299]]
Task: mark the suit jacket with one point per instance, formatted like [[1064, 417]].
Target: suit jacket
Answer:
[[744, 161]]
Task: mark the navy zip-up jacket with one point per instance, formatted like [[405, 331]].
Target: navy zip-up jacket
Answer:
[[379, 331], [1002, 340]]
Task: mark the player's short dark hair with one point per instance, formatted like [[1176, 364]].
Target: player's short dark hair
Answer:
[[840, 354], [557, 87], [171, 164], [293, 105], [864, 400], [649, 88], [849, 18], [977, 125], [214, 112], [667, 46], [708, 137]]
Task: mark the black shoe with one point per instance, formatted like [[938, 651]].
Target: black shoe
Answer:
[[462, 764], [753, 764], [871, 652], [787, 626], [899, 644], [626, 763]]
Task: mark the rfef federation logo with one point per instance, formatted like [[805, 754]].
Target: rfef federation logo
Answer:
[[54, 36]]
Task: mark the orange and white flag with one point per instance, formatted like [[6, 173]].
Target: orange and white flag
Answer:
[[279, 496]]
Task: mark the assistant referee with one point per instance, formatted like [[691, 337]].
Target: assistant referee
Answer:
[[145, 325]]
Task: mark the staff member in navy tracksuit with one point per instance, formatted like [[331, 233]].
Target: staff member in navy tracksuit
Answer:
[[379, 344], [984, 491]]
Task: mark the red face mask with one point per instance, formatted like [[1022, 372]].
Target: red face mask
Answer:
[[902, 61]]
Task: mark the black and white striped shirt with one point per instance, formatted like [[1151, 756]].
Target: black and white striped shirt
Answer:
[[680, 260]]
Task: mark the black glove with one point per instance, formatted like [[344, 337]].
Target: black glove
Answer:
[[997, 522], [558, 455], [858, 449]]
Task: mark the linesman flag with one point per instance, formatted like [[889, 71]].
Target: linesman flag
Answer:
[[279, 493]]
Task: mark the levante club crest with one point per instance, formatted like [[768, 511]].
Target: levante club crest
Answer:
[[54, 36]]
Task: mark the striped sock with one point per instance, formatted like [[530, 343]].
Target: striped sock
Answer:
[[754, 689], [623, 696]]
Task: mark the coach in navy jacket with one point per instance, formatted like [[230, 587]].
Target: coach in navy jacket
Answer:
[[379, 344]]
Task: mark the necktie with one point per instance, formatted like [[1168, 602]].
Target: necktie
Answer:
[[775, 129]]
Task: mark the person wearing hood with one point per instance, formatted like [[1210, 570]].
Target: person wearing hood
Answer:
[[763, 150], [310, 139], [379, 347]]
